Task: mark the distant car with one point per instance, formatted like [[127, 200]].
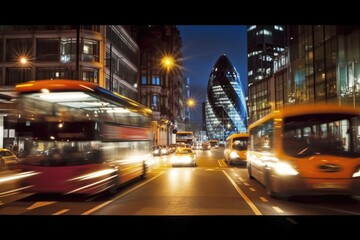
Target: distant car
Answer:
[[172, 148], [164, 150], [183, 157], [205, 146], [214, 143], [8, 159], [156, 150]]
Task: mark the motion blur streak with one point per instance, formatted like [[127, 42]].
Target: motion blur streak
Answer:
[[106, 180], [17, 176], [10, 182], [94, 174]]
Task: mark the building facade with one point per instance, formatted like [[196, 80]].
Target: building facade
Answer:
[[162, 87], [264, 43], [320, 64], [225, 106], [102, 54]]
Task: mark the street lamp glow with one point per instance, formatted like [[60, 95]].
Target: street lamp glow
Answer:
[[167, 62], [190, 102], [23, 60]]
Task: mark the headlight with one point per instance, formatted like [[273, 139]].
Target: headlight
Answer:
[[356, 173], [234, 155], [283, 168]]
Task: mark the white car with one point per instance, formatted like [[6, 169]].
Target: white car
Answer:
[[183, 157]]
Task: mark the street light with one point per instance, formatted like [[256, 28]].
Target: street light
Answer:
[[168, 63], [191, 102], [23, 63]]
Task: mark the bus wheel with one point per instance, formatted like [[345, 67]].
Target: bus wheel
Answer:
[[268, 187], [114, 187], [2, 164], [145, 171], [249, 172]]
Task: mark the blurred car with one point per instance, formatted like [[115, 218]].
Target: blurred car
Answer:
[[8, 159], [214, 143], [183, 157], [205, 146], [164, 150], [13, 181], [172, 148], [156, 150]]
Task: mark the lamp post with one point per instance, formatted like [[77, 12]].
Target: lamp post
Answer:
[[167, 63], [190, 103]]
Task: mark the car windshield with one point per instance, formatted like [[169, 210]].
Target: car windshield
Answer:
[[184, 151], [5, 154]]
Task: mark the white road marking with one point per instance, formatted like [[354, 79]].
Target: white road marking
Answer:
[[277, 209], [243, 195], [121, 195]]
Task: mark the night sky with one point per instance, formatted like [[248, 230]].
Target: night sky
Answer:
[[202, 45]]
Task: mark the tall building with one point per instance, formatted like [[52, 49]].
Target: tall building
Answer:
[[324, 64], [321, 64], [187, 108], [264, 42], [225, 106], [122, 62], [162, 87]]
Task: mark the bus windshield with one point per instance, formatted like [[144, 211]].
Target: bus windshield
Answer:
[[240, 143], [334, 134]]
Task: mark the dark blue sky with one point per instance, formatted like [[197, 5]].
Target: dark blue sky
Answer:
[[202, 46]]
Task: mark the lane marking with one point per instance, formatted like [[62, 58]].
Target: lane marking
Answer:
[[252, 189], [61, 212], [246, 184], [243, 195], [222, 163], [121, 195], [263, 199], [241, 179], [39, 204], [277, 209]]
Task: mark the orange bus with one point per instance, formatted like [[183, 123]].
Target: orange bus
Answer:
[[80, 138], [236, 148], [306, 150]]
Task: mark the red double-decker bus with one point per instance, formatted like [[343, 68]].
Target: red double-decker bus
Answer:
[[80, 138], [184, 137]]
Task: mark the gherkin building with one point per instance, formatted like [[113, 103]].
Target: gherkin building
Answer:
[[225, 106]]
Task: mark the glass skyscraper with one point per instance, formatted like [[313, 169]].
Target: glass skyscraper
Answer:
[[225, 106]]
